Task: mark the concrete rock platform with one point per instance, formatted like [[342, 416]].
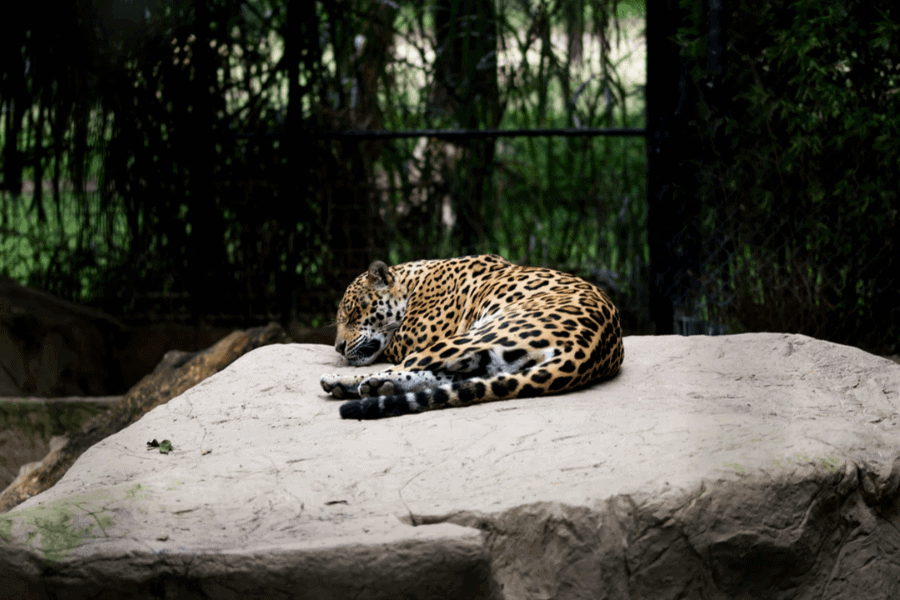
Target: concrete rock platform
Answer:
[[745, 466]]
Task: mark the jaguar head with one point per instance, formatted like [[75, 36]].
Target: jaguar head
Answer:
[[369, 314]]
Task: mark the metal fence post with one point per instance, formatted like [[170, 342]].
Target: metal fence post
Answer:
[[663, 73]]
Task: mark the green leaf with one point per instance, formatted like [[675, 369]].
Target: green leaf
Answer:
[[164, 446]]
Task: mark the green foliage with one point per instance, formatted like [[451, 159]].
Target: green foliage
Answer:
[[180, 172], [141, 118], [573, 203], [799, 164]]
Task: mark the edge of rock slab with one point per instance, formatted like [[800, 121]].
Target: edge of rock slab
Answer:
[[824, 532], [446, 562]]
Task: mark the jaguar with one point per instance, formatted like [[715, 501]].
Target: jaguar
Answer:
[[468, 330]]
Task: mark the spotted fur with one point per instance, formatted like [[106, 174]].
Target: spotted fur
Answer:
[[468, 330]]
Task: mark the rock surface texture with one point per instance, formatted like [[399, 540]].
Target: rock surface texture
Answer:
[[748, 466]]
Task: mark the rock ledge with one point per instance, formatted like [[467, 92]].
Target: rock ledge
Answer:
[[747, 466]]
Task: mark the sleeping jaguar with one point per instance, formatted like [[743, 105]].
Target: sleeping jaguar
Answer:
[[467, 330]]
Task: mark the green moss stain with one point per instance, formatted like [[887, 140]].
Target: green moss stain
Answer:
[[58, 533], [57, 528], [52, 528], [137, 492], [830, 463], [5, 529]]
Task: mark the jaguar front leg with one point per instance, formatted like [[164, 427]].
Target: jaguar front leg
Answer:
[[411, 377], [342, 386], [390, 383], [386, 383]]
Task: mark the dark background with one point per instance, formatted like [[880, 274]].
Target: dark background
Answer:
[[183, 161]]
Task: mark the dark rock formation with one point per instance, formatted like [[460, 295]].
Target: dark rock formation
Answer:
[[51, 347]]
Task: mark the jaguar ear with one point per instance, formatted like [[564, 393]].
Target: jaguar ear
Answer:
[[379, 275]]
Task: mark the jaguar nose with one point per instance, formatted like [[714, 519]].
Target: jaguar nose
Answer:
[[340, 346]]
